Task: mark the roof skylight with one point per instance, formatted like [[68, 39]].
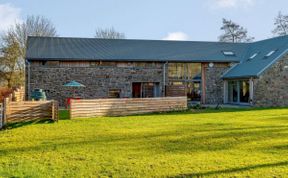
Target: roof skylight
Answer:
[[270, 53], [228, 53], [253, 56]]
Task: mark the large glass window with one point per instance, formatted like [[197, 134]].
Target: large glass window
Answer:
[[244, 91], [238, 91], [189, 76], [233, 91], [176, 70], [184, 71]]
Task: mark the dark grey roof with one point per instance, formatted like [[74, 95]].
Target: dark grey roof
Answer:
[[254, 67], [58, 48], [55, 48]]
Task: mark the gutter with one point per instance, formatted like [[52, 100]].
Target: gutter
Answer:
[[128, 60], [239, 77], [28, 79]]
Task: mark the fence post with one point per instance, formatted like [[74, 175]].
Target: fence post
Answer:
[[5, 111], [53, 111], [1, 115], [70, 109], [56, 110]]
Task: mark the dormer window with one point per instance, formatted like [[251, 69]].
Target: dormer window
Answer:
[[270, 53], [228, 53]]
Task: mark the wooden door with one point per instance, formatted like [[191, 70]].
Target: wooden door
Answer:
[[136, 90]]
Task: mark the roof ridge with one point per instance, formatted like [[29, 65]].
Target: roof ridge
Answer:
[[131, 39], [172, 41]]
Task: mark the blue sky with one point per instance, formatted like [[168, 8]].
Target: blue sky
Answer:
[[196, 20]]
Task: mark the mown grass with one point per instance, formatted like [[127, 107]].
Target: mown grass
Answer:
[[222, 143]]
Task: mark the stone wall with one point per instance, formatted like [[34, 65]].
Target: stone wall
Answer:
[[214, 88], [271, 89], [98, 78]]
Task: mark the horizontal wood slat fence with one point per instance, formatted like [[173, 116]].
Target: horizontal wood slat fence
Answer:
[[1, 115], [125, 106], [30, 110], [175, 90]]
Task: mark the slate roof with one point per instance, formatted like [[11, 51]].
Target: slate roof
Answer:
[[59, 48], [254, 67], [47, 48]]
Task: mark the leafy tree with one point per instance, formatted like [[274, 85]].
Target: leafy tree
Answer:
[[234, 33], [281, 25], [109, 33], [9, 61]]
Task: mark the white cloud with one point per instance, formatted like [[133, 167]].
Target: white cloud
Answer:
[[231, 3], [8, 15], [176, 36]]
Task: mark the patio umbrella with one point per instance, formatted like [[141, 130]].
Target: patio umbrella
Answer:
[[73, 84]]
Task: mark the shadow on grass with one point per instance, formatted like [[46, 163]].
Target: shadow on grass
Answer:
[[209, 110], [63, 115], [233, 170], [159, 142], [25, 123]]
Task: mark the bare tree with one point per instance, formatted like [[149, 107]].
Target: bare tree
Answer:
[[109, 33], [281, 25], [33, 26], [234, 33]]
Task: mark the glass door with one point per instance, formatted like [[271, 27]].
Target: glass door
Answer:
[[239, 92], [232, 91], [244, 92]]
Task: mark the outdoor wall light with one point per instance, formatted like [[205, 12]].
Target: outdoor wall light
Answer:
[[211, 64]]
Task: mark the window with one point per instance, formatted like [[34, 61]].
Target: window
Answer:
[[145, 90], [176, 70], [228, 53], [270, 53], [239, 91], [182, 71], [253, 56], [114, 93]]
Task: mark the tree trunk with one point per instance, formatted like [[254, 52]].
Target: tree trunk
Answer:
[[9, 83]]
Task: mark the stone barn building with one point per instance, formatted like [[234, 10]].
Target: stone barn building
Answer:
[[207, 72]]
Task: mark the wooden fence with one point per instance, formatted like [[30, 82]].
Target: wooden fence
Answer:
[[1, 115], [30, 110], [16, 94], [175, 90], [124, 106]]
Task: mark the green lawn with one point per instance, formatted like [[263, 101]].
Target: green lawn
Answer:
[[216, 143]]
